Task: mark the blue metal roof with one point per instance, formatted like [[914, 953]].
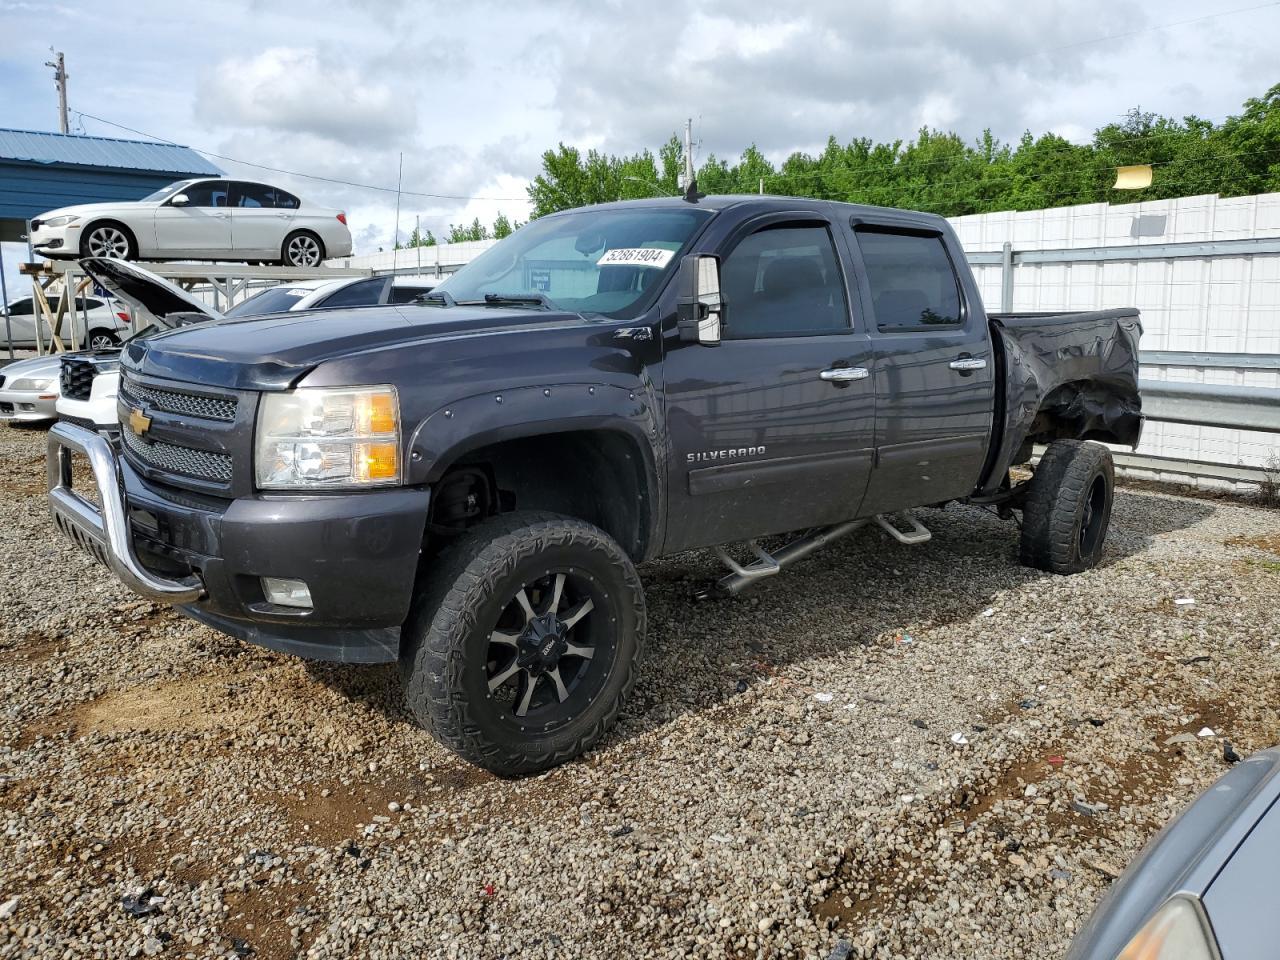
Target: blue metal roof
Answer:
[[36, 146]]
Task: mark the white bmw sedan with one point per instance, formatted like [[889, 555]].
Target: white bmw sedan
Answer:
[[206, 219]]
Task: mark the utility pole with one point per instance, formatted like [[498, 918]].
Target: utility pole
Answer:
[[60, 79]]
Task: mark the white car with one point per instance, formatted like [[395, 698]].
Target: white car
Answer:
[[29, 389], [106, 325], [205, 219], [327, 294]]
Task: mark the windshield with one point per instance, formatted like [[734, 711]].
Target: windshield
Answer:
[[164, 193], [275, 300], [592, 261]]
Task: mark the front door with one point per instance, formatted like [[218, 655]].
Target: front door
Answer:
[[201, 227], [771, 431]]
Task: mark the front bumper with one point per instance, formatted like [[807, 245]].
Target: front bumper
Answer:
[[358, 553], [98, 410], [28, 405], [57, 242]]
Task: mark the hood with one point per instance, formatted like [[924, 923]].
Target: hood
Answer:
[[274, 352], [85, 210], [144, 290], [47, 366]]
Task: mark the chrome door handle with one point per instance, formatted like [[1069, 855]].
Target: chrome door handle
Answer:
[[968, 364], [844, 374]]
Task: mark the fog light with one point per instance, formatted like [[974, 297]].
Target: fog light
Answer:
[[287, 593]]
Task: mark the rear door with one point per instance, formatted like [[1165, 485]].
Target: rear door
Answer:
[[934, 366], [199, 228], [258, 226], [771, 431]]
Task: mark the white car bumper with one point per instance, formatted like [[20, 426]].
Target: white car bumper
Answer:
[[99, 409], [28, 405], [57, 241]]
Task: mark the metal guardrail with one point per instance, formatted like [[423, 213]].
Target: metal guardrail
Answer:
[[1211, 405]]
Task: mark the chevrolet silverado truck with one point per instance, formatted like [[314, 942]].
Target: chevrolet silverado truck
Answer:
[[465, 485]]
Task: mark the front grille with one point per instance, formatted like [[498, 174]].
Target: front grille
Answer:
[[76, 378], [170, 457], [82, 422], [189, 404]]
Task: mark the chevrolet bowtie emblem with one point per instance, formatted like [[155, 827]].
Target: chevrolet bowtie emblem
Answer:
[[139, 422]]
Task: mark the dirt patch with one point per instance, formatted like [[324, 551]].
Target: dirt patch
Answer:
[[188, 705], [258, 918], [1269, 542]]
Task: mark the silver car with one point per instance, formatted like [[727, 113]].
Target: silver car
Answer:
[[29, 389], [1205, 887]]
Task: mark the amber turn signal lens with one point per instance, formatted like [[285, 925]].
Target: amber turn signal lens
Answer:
[[377, 413], [377, 461]]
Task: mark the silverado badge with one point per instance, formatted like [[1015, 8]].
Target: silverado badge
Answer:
[[139, 422]]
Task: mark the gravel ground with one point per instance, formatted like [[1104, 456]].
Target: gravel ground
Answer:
[[786, 781]]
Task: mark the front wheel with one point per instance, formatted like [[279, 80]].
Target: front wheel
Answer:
[[302, 249], [522, 643], [1068, 507], [109, 239]]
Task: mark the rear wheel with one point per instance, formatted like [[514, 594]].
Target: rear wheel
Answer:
[[302, 249], [521, 646], [1068, 507], [109, 239], [101, 339]]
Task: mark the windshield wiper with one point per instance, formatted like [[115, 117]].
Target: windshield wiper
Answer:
[[519, 300], [442, 297]]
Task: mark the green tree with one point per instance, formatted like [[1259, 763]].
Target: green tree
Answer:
[[420, 239], [940, 172], [461, 233]]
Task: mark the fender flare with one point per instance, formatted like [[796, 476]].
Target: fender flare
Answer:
[[467, 424]]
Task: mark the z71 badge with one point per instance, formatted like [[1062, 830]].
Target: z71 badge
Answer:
[[733, 453]]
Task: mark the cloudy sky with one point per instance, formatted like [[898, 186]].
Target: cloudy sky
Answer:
[[471, 93]]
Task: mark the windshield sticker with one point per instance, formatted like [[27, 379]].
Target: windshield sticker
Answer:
[[636, 257]]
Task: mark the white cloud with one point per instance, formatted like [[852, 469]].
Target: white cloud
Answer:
[[304, 90]]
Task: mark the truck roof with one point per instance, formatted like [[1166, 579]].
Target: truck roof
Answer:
[[768, 202]]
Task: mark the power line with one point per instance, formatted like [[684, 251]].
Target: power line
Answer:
[[295, 173]]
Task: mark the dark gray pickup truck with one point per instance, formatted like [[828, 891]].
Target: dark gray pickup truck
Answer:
[[464, 484]]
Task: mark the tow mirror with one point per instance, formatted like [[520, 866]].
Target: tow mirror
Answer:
[[179, 200], [699, 309]]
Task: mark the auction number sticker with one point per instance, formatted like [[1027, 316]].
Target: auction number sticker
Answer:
[[636, 257]]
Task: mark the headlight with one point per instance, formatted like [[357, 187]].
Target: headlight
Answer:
[[1177, 931], [32, 383], [328, 437], [58, 221]]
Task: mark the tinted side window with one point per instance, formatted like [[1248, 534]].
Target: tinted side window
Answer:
[[783, 282], [22, 308], [405, 294], [211, 193], [252, 195], [362, 294], [913, 283], [286, 201]]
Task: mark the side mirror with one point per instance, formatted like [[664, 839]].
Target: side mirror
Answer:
[[179, 200], [699, 308]]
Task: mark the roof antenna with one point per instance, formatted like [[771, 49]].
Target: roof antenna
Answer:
[[690, 184]]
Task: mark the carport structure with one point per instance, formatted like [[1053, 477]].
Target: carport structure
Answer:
[[41, 171]]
